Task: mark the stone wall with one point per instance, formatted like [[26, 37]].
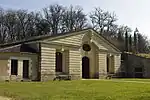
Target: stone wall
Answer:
[[5, 66], [47, 63], [132, 61]]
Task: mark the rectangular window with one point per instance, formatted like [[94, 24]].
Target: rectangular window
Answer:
[[138, 70], [14, 67]]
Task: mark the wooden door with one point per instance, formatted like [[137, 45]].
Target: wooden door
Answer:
[[58, 62], [85, 67], [26, 69]]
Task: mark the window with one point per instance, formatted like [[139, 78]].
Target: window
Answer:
[[14, 67], [138, 70], [86, 47]]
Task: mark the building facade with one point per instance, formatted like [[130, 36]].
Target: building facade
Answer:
[[81, 54]]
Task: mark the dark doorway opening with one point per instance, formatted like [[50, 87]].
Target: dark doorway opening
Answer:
[[85, 67], [108, 64], [14, 67], [26, 69], [58, 62]]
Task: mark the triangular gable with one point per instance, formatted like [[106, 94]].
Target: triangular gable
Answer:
[[100, 40], [75, 38]]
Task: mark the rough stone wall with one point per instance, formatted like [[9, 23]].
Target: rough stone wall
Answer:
[[132, 61]]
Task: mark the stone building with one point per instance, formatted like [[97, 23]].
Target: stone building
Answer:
[[81, 54]]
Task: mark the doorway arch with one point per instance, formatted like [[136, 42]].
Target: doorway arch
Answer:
[[85, 67]]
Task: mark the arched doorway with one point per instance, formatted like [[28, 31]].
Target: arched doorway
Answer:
[[85, 67], [58, 62]]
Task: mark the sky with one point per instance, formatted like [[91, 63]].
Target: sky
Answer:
[[133, 13]]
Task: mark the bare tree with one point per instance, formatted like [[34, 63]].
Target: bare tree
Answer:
[[42, 27], [74, 19], [53, 15], [3, 28], [124, 28], [33, 18], [110, 24], [80, 19], [22, 17], [102, 20], [10, 22]]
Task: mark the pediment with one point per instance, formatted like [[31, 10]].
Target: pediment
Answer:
[[81, 37]]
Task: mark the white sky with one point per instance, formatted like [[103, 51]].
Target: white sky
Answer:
[[134, 13]]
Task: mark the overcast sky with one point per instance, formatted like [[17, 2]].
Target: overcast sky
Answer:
[[134, 13]]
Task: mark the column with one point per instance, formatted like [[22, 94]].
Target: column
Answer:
[[102, 64], [75, 67], [47, 63], [63, 61], [8, 70], [20, 70], [117, 63], [30, 68]]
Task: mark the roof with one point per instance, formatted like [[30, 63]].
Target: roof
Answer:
[[41, 37], [12, 48], [36, 38]]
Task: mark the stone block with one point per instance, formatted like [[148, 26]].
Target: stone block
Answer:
[[75, 77], [47, 77]]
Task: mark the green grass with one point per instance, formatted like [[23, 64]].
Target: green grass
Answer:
[[73, 90], [133, 79]]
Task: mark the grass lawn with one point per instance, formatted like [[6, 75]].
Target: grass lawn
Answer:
[[73, 90], [133, 79]]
